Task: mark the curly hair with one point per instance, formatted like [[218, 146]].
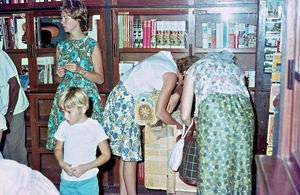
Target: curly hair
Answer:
[[76, 10], [184, 63]]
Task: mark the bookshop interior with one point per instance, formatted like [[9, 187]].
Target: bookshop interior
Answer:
[[263, 36]]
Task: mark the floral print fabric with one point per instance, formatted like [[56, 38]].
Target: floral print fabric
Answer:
[[120, 126], [216, 76], [80, 52], [225, 129]]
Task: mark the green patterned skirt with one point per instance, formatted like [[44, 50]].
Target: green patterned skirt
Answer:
[[225, 130]]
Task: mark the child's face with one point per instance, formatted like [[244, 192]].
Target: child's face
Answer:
[[74, 115]]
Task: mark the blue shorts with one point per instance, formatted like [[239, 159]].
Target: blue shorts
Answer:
[[88, 187]]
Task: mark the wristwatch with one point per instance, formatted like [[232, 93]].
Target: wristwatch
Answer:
[[11, 112]]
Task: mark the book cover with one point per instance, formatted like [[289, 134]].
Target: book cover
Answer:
[[153, 33], [148, 35], [204, 36], [230, 41], [219, 38], [225, 35], [241, 42], [140, 34], [213, 35], [135, 39], [270, 129], [130, 35], [276, 68], [236, 35], [166, 34], [159, 34], [173, 34], [275, 90], [145, 33], [209, 34], [120, 31], [181, 26]]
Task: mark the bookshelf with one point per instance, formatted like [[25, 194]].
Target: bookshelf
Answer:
[[250, 14]]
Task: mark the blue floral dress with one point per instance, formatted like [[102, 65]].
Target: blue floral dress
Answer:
[[225, 126], [78, 51]]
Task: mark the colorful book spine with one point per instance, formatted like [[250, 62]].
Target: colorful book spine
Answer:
[[230, 41], [135, 39], [120, 31], [148, 35], [159, 34], [213, 35], [153, 33], [145, 33], [204, 36], [181, 26], [236, 35]]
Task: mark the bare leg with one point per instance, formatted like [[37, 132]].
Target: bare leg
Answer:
[[129, 174], [122, 182]]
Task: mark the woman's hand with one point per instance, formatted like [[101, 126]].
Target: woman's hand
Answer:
[[72, 67], [60, 72]]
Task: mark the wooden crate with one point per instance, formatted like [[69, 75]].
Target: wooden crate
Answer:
[[157, 173]]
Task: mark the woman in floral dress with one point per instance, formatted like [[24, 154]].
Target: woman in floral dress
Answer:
[[225, 124], [79, 64]]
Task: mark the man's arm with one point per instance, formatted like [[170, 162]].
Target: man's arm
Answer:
[[14, 88]]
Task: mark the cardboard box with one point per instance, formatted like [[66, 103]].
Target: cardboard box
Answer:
[[158, 175]]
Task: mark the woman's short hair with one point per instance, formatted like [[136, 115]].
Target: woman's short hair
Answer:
[[76, 10], [73, 97], [186, 62]]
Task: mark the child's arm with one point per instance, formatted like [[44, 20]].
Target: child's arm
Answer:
[[58, 153], [103, 158]]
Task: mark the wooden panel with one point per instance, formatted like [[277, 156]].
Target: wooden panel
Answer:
[[272, 176]]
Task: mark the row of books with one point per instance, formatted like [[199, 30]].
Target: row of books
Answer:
[[13, 1], [228, 35], [12, 29], [152, 33], [46, 0]]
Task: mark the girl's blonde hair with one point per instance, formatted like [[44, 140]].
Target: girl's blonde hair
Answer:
[[73, 97], [76, 10]]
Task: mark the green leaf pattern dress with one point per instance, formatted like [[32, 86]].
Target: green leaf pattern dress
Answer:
[[225, 126], [78, 51]]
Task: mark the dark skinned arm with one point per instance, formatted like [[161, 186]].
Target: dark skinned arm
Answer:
[[13, 98]]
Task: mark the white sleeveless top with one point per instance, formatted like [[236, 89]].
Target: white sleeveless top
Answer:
[[147, 75]]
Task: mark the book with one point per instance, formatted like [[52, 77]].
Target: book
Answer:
[[140, 34], [181, 26], [159, 34], [135, 40], [270, 129], [275, 90], [276, 68], [166, 34], [120, 31], [242, 35], [204, 36], [153, 33], [213, 35], [144, 33], [230, 41]]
